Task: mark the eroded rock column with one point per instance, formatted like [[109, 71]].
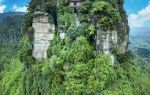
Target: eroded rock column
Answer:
[[43, 34]]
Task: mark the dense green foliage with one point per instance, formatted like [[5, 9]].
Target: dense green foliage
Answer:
[[73, 67]]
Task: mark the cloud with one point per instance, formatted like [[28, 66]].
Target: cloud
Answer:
[[22, 9], [14, 6], [141, 18], [2, 8], [19, 9]]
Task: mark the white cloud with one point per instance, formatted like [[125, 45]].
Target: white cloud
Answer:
[[19, 9], [14, 6], [2, 7], [22, 9], [139, 19]]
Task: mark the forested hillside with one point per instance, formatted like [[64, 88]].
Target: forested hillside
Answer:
[[10, 35], [74, 66], [140, 46]]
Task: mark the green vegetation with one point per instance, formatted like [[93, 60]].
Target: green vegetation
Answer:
[[73, 67], [109, 15]]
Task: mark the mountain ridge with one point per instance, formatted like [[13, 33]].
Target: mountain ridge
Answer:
[[6, 14]]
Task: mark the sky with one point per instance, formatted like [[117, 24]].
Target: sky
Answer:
[[13, 5], [138, 11]]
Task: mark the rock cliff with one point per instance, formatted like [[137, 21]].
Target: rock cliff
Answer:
[[43, 34]]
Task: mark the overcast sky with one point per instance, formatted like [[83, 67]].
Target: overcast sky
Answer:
[[138, 11]]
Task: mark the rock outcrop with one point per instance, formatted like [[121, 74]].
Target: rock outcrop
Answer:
[[43, 34], [106, 40], [112, 40]]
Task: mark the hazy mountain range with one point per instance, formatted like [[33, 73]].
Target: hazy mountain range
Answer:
[[140, 31], [11, 14]]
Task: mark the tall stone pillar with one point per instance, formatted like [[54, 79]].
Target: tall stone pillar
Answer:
[[43, 34]]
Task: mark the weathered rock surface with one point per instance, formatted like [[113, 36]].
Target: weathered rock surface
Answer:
[[111, 40], [106, 39], [43, 34]]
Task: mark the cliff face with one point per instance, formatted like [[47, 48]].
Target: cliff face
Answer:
[[106, 39], [43, 34], [113, 40]]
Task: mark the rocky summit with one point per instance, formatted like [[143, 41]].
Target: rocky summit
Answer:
[[107, 20]]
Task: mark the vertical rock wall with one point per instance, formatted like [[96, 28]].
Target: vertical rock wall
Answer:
[[113, 39], [123, 39], [106, 39], [43, 34]]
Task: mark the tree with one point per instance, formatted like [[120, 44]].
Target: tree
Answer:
[[105, 13]]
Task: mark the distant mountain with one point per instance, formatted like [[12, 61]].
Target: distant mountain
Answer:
[[144, 33], [140, 41], [10, 35], [10, 26], [4, 15], [140, 45], [140, 31]]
